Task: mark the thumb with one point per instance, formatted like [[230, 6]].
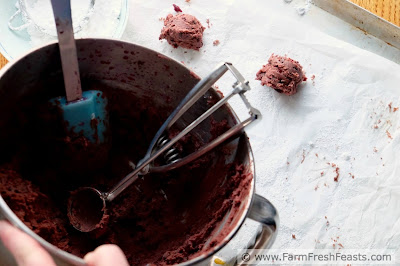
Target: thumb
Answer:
[[106, 255], [26, 251]]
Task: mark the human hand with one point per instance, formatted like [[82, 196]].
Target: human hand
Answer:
[[28, 252]]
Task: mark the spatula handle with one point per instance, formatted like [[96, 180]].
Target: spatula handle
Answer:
[[66, 42]]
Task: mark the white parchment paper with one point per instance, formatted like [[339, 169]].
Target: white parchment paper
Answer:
[[341, 124]]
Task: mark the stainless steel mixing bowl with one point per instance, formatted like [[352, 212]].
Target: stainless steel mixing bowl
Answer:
[[149, 75]]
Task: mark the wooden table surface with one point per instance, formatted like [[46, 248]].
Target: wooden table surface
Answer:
[[387, 9]]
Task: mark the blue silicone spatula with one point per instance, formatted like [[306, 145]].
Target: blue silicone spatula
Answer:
[[84, 112]]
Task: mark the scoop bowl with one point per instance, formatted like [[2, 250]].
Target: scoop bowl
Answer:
[[86, 209]]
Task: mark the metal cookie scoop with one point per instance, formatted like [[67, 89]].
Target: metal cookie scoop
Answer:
[[87, 206]]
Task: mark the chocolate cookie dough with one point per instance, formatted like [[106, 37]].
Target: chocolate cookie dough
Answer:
[[184, 31], [32, 206], [283, 74], [161, 219]]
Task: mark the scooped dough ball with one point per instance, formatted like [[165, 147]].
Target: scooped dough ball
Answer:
[[282, 73], [183, 30]]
